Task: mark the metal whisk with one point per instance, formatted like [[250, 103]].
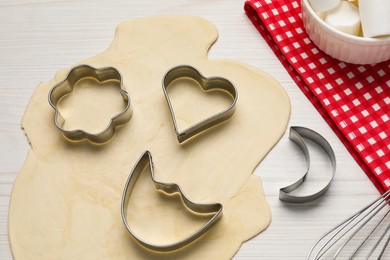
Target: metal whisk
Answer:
[[364, 235]]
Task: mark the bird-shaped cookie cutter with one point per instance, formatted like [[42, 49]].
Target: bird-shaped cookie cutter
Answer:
[[168, 189]]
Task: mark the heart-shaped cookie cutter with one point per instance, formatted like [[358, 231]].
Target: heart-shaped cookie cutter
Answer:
[[169, 189], [212, 83], [297, 133], [66, 86]]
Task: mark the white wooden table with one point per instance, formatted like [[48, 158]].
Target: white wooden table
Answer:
[[38, 37]]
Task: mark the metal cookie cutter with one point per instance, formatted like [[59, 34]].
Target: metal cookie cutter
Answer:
[[186, 71], [168, 189], [66, 86], [296, 135]]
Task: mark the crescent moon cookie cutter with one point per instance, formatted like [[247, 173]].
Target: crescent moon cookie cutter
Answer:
[[66, 86], [297, 135], [167, 189], [207, 84]]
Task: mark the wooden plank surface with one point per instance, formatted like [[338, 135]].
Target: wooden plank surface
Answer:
[[37, 38]]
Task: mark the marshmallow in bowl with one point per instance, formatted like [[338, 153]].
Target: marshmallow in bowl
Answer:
[[345, 17], [323, 5], [375, 16]]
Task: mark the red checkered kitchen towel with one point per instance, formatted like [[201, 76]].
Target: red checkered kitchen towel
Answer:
[[353, 99]]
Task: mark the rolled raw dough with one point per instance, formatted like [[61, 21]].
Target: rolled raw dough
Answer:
[[65, 202]]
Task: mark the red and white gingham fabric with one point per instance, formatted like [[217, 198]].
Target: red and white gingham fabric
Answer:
[[353, 99]]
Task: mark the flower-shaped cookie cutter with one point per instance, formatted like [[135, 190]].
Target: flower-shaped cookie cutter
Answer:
[[212, 83], [167, 189], [66, 86]]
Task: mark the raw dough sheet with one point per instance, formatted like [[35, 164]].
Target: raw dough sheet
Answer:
[[65, 202]]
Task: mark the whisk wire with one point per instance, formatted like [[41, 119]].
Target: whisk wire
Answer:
[[378, 242], [343, 228], [367, 218], [369, 235]]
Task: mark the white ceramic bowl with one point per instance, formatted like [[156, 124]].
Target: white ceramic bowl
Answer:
[[343, 46]]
